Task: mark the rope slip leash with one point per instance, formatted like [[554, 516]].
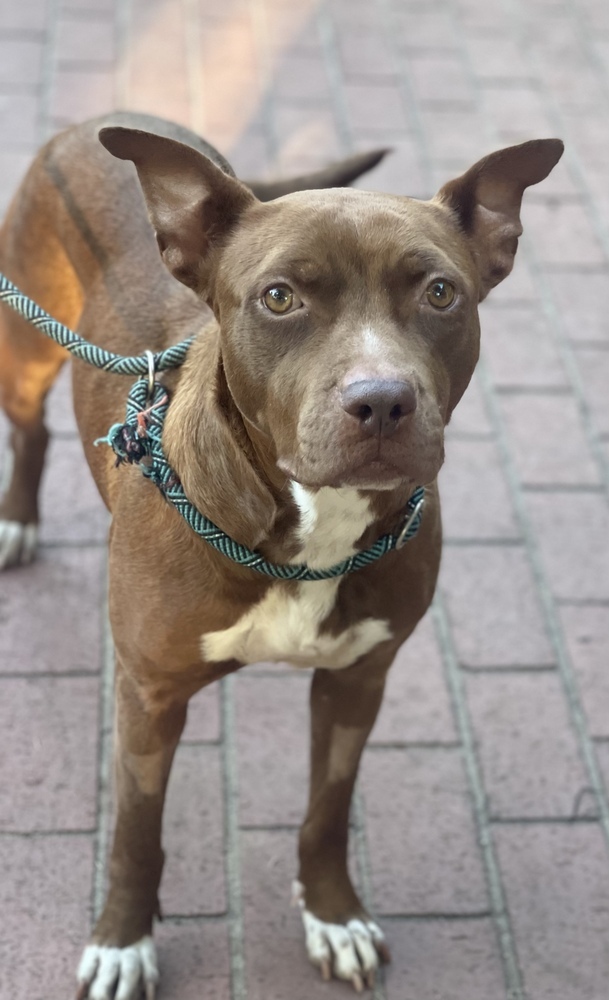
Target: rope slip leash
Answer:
[[138, 441]]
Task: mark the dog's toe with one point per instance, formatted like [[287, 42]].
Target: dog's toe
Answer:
[[108, 973], [17, 543]]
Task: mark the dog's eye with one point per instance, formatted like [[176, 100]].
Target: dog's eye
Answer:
[[281, 299], [441, 294]]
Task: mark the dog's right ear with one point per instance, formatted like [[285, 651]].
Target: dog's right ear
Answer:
[[191, 201]]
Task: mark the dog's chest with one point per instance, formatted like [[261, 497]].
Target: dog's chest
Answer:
[[285, 624]]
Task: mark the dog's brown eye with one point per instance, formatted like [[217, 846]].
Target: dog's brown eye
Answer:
[[280, 299], [441, 294]]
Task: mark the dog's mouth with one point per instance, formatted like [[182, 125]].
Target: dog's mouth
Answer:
[[377, 472]]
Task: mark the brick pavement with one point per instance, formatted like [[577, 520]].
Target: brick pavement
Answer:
[[481, 823]]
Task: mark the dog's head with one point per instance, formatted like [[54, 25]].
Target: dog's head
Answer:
[[349, 319]]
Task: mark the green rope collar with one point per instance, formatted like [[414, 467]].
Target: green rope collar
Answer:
[[138, 441]]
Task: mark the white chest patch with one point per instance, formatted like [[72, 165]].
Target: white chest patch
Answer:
[[284, 625]]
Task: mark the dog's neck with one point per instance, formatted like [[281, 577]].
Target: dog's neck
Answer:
[[229, 472]]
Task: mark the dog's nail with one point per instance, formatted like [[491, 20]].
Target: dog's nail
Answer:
[[384, 952], [370, 979], [82, 991], [326, 971], [358, 983], [150, 991]]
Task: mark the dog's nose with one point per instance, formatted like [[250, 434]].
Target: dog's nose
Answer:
[[379, 404]]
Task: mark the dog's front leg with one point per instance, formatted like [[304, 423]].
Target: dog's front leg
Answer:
[[121, 956], [340, 935]]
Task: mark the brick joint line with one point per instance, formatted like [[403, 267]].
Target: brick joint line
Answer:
[[507, 947], [232, 858]]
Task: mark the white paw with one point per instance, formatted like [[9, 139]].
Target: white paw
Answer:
[[17, 543], [350, 951], [118, 973]]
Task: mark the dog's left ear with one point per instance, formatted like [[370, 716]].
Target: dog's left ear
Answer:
[[191, 201], [486, 201]]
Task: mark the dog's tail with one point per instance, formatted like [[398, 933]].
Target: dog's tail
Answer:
[[335, 175]]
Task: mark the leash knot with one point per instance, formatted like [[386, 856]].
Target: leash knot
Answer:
[[136, 440]]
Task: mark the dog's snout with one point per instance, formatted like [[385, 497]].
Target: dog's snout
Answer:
[[379, 404]]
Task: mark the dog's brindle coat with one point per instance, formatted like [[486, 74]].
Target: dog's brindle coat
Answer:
[[301, 434]]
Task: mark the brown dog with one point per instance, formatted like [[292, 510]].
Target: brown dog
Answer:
[[311, 405]]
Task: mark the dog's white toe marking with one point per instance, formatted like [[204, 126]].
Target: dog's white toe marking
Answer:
[[350, 951], [103, 970], [17, 543]]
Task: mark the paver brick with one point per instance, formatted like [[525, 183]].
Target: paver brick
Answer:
[[85, 41], [23, 16], [301, 76], [586, 632], [519, 350], [194, 961], [558, 452], [453, 133], [19, 121], [493, 607], [353, 14], [496, 62], [470, 415], [273, 745], [72, 510], [248, 152], [401, 170], [444, 960], [376, 106], [276, 965], [557, 887], [563, 233], [576, 564], [366, 54], [13, 166], [50, 614], [602, 757], [520, 287], [20, 61], [49, 733], [231, 88], [421, 835], [416, 707], [475, 497], [526, 745], [80, 94], [289, 27], [440, 77], [416, 26], [581, 299], [517, 112], [59, 412], [93, 6], [307, 136], [594, 370], [43, 889], [193, 878], [488, 19], [203, 724], [161, 42]]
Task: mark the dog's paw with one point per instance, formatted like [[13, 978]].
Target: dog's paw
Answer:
[[351, 951], [17, 543], [118, 973]]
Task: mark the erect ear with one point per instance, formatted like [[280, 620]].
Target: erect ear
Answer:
[[486, 201], [191, 201], [337, 174]]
